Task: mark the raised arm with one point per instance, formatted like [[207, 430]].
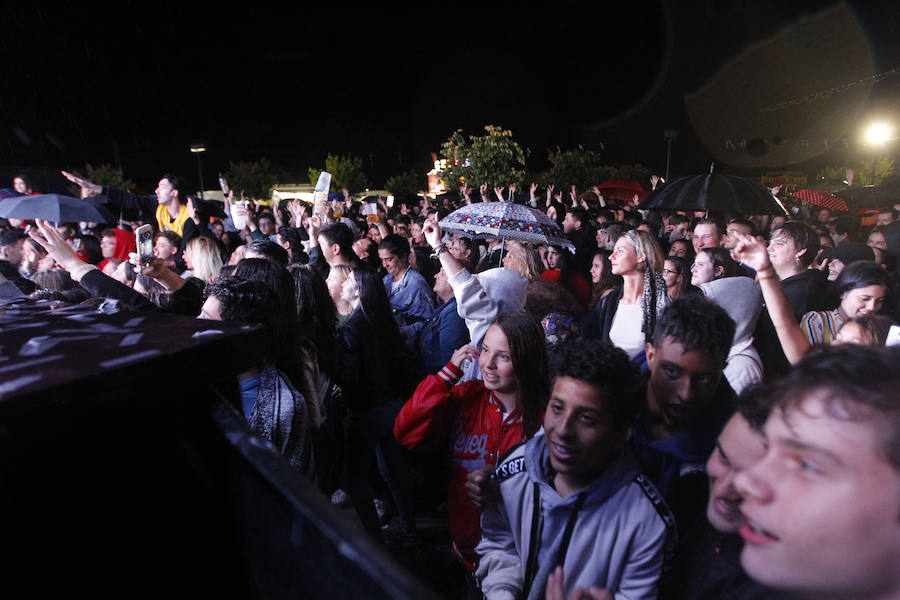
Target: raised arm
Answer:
[[472, 303], [91, 279], [752, 252]]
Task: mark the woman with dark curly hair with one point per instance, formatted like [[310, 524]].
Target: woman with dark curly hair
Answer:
[[271, 404]]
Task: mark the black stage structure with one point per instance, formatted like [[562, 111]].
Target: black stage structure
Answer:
[[126, 470]]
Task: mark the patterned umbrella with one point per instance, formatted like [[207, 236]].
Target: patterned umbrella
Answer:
[[821, 198], [506, 221], [622, 189]]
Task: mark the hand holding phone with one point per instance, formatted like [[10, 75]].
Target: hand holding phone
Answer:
[[144, 236]]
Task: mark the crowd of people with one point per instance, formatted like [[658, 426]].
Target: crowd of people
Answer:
[[689, 405]]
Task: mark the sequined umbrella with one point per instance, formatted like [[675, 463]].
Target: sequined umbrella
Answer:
[[505, 221]]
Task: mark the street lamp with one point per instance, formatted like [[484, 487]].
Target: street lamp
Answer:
[[876, 135], [199, 149], [669, 135]]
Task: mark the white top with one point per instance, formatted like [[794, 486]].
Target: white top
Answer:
[[625, 332]]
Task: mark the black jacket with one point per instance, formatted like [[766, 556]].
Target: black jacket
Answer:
[[707, 565], [371, 371], [186, 301], [806, 291], [598, 322]]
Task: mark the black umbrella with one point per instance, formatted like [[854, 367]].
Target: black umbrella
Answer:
[[56, 208], [715, 193], [208, 208], [866, 196]]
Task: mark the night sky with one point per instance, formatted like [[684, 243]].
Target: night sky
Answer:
[[137, 85]]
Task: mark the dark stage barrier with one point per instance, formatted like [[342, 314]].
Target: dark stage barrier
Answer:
[[125, 470]]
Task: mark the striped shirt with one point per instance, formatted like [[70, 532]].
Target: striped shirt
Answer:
[[821, 327]]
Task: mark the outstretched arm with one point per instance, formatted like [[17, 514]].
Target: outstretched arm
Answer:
[[88, 188], [91, 279], [143, 207]]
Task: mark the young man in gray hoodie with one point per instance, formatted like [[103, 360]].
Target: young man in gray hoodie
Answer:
[[573, 498]]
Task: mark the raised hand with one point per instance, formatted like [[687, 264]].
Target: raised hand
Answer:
[[297, 208], [751, 251], [88, 188], [240, 214], [463, 354], [56, 246], [50, 239], [499, 192], [432, 231], [314, 224], [820, 263]]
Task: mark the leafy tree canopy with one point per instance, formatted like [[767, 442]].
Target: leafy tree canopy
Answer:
[[254, 178], [346, 172], [405, 185], [865, 172], [494, 158], [583, 168]]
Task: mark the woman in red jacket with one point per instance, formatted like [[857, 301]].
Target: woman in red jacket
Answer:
[[480, 419]]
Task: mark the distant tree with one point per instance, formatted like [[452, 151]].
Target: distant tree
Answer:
[[106, 175], [405, 185], [494, 158], [638, 173], [346, 172], [255, 178], [583, 168], [865, 172]]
